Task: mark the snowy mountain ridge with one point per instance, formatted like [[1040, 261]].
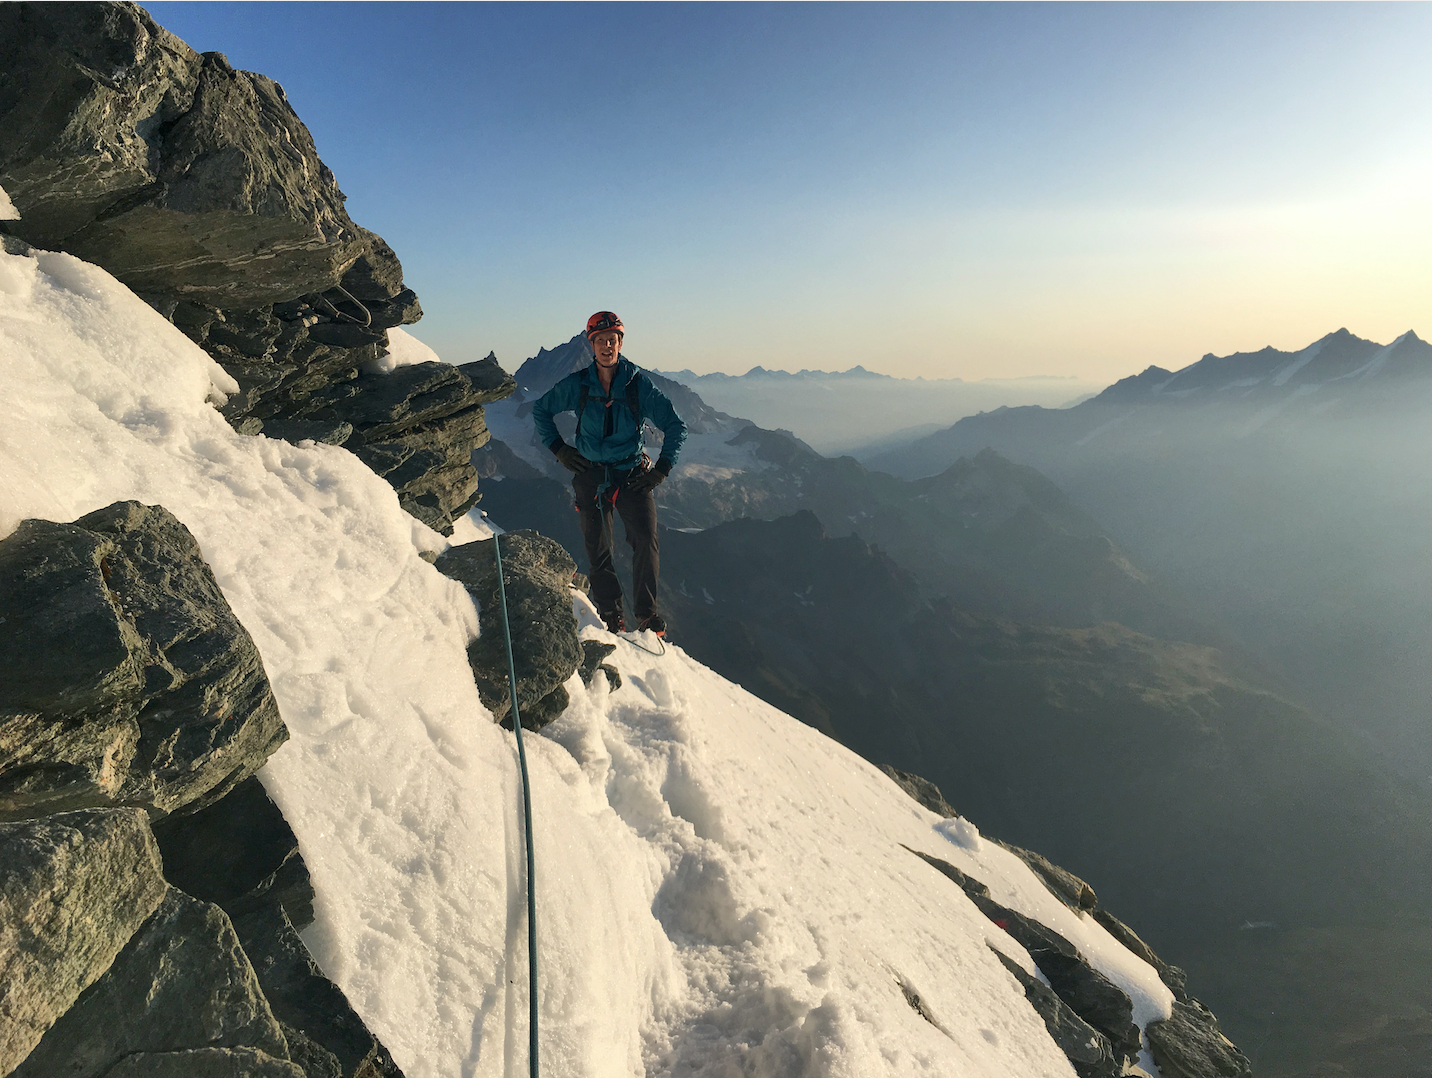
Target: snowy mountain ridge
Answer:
[[1337, 358], [720, 888]]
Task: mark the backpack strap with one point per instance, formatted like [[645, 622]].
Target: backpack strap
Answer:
[[581, 407], [633, 397], [633, 401]]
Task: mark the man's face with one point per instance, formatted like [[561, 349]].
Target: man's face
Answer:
[[608, 347]]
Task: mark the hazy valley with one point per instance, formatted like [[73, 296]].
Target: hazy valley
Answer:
[[1004, 631]]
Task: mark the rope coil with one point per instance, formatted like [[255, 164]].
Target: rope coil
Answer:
[[526, 820]]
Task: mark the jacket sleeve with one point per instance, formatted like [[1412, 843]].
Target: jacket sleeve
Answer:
[[562, 397], [657, 407]]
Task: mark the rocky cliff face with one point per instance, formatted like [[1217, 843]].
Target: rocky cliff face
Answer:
[[199, 187], [150, 891]]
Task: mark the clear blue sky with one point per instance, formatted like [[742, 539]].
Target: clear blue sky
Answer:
[[962, 190]]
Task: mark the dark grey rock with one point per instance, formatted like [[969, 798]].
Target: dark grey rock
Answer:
[[593, 652], [304, 999], [74, 888], [208, 1063], [417, 427], [316, 1060], [489, 381], [182, 982], [922, 790], [328, 431], [545, 648], [1189, 1044], [543, 711], [967, 883], [124, 675], [71, 673], [1088, 1049], [238, 853], [1093, 997], [170, 169], [1063, 884]]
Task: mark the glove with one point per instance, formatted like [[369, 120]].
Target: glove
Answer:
[[572, 460], [650, 479]]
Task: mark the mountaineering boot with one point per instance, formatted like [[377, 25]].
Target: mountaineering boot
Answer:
[[614, 621], [656, 624]]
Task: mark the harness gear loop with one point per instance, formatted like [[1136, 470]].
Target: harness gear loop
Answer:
[[533, 1070]]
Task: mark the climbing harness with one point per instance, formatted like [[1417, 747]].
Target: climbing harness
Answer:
[[633, 403], [526, 819]]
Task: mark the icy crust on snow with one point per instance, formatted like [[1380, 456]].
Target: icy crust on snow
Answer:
[[721, 890]]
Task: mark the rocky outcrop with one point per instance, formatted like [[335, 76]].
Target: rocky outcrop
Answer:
[[182, 982], [593, 652], [74, 887], [174, 171], [205, 1063], [324, 1033], [199, 187], [922, 790], [537, 574], [124, 676], [1082, 988], [1086, 1047], [241, 854], [126, 679], [1188, 1044]]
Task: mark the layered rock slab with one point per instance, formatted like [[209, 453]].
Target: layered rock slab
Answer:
[[182, 982], [74, 888], [125, 678], [200, 188], [169, 168]]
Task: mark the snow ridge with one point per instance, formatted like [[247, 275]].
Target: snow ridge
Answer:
[[721, 889]]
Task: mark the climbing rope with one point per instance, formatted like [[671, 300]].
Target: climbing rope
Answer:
[[632, 639], [526, 819]]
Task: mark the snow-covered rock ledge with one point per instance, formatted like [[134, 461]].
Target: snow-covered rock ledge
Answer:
[[721, 888]]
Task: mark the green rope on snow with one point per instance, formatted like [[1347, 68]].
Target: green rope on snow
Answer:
[[526, 820]]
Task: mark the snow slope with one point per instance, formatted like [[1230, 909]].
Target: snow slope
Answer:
[[721, 890]]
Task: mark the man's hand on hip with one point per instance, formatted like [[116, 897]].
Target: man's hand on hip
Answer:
[[573, 461], [650, 479]]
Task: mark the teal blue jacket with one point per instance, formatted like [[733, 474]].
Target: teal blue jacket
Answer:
[[607, 432]]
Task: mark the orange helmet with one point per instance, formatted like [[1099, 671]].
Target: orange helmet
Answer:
[[603, 321]]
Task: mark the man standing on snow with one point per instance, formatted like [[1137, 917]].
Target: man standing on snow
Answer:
[[613, 399]]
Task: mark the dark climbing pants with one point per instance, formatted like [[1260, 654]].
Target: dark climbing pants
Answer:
[[638, 513]]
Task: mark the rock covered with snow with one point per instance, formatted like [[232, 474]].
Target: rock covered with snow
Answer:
[[128, 679], [124, 676]]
